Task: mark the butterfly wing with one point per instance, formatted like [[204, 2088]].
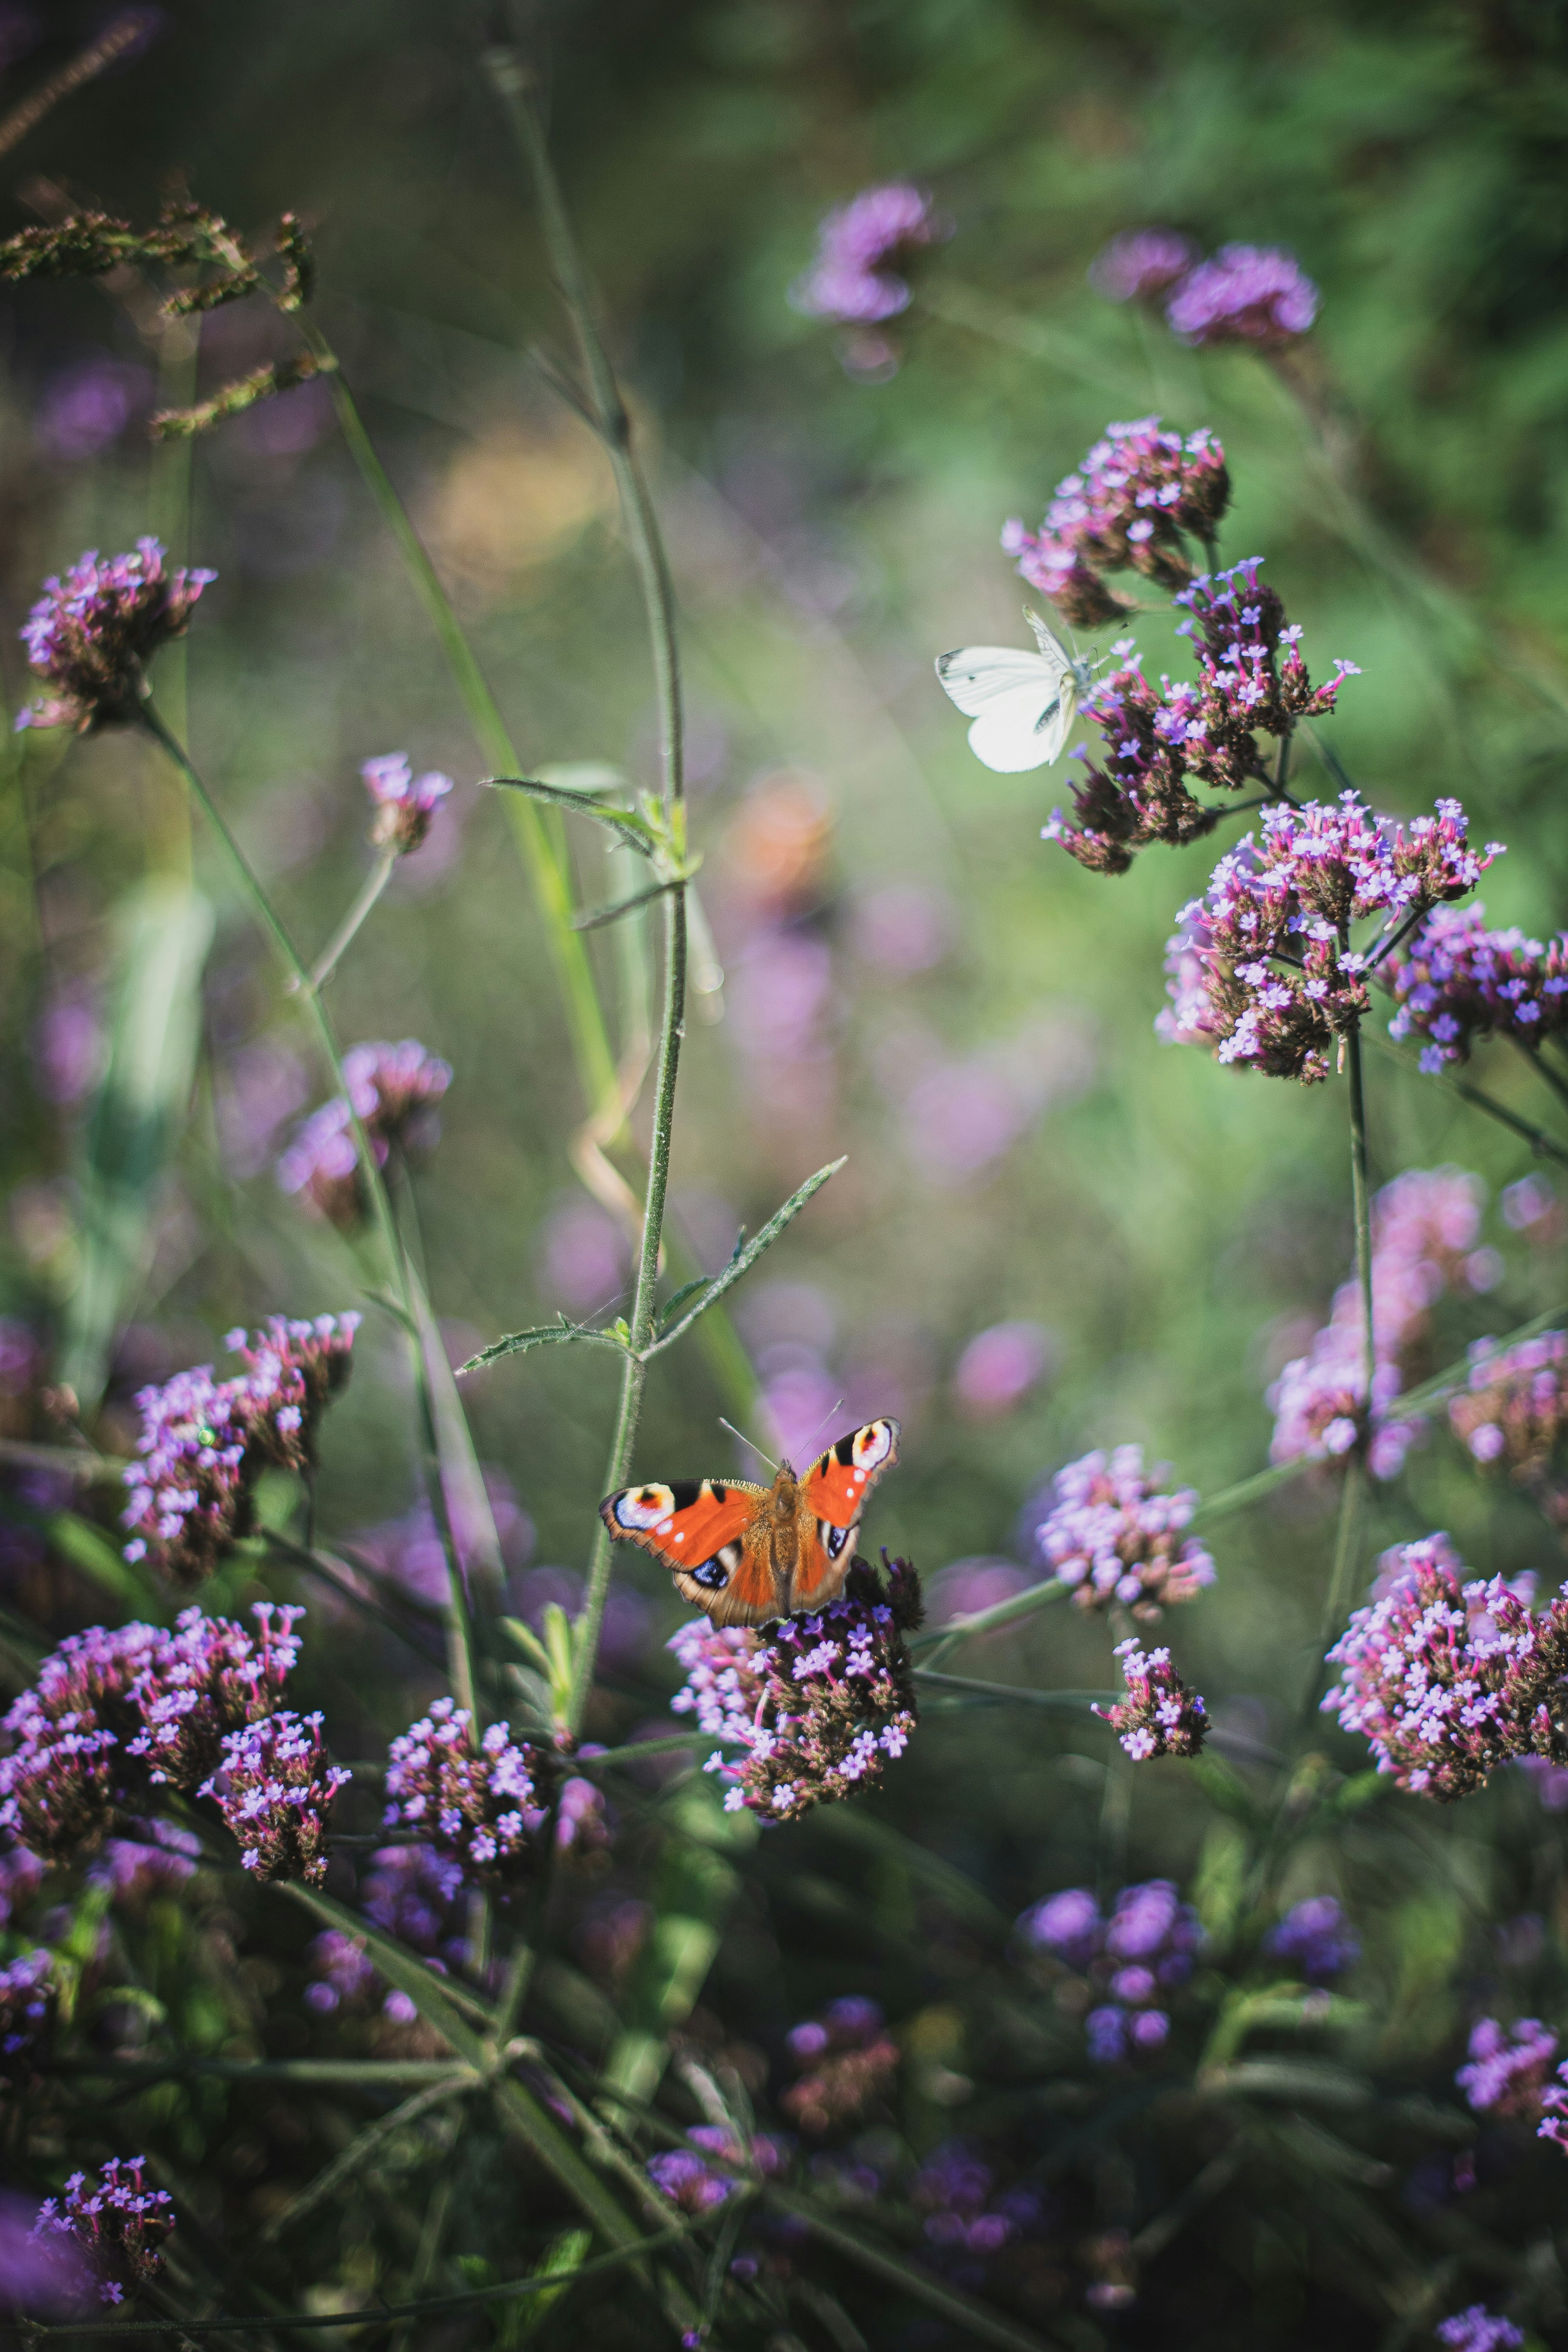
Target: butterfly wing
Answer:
[[833, 1497], [1056, 725], [1014, 698], [707, 1533]]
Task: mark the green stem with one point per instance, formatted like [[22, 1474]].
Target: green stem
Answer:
[[1544, 1069], [331, 955], [1542, 1144], [1336, 1600], [1361, 1195], [361, 2148]]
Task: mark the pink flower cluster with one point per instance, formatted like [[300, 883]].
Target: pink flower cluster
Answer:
[[90, 636], [855, 277], [404, 804], [1112, 1534], [275, 1788], [393, 1089], [1160, 1715], [205, 1442], [815, 1705], [1454, 981], [1262, 967], [1252, 681], [1126, 508], [1243, 294], [116, 2220], [1448, 1679], [114, 1715], [1133, 1962], [1515, 1409], [477, 1804], [1425, 1227]]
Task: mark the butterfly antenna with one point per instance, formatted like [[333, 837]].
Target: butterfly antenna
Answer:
[[747, 1441], [822, 1424]]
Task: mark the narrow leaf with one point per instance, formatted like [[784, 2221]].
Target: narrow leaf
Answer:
[[630, 827], [672, 1306], [744, 1259], [598, 917], [545, 1335]]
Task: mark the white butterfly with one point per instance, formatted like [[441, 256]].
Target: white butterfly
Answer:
[[1023, 705]]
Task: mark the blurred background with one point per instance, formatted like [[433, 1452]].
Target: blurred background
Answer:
[[1053, 1232]]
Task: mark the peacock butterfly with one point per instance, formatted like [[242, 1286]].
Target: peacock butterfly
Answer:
[[750, 1554]]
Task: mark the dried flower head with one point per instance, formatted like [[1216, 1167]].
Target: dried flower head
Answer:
[[1141, 264], [1160, 1715], [1317, 1938], [856, 276], [1448, 1679], [1454, 981], [480, 1804], [91, 635], [393, 1090], [115, 2219], [1112, 1534], [404, 804], [1508, 2068], [815, 1705], [847, 2060], [1244, 294], [275, 1788], [27, 1999]]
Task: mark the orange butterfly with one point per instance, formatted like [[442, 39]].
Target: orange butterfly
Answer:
[[750, 1554]]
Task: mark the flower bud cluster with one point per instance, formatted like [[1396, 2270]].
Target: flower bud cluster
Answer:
[[1160, 1716], [115, 2219], [1131, 1962], [205, 1442], [855, 277], [404, 804], [1263, 969], [1112, 1534], [847, 2060], [1126, 508], [1454, 981], [90, 636], [815, 1705], [1243, 294], [1316, 1938], [1514, 1411], [1448, 1679], [275, 1788], [479, 1805], [393, 1090]]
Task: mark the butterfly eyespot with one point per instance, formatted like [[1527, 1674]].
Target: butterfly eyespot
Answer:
[[872, 1445], [836, 1541], [712, 1574], [643, 1506]]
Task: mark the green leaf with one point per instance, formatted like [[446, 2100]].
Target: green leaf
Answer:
[[88, 1549], [746, 1257], [672, 1306], [694, 1890], [137, 1117], [544, 1335], [632, 829]]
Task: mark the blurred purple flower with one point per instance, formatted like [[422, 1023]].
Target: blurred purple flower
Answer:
[[695, 2187], [1000, 1366], [584, 1256], [27, 1998], [780, 992], [1318, 1938], [1112, 1532], [161, 1858], [1478, 2330], [394, 1089], [797, 1398], [1549, 1782], [35, 2276], [84, 407], [1141, 264], [1507, 2067], [257, 1088], [1246, 294], [1067, 1924], [67, 1049], [853, 279], [903, 928], [964, 1587], [1454, 982], [19, 1357]]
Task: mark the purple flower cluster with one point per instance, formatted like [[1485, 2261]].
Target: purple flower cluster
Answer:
[[393, 1090], [1514, 1410], [690, 2178], [1263, 970], [1448, 1679], [1317, 1938], [1425, 1225], [1243, 294], [404, 804], [275, 1788], [159, 1858], [205, 1442], [815, 1705], [1454, 981], [1478, 2330], [1126, 508], [479, 1806], [966, 2213], [116, 2220], [1160, 1716], [1508, 2068], [90, 636], [1112, 1532], [27, 1998], [847, 2060], [114, 1715], [855, 277], [1133, 1962], [413, 1892], [1252, 681]]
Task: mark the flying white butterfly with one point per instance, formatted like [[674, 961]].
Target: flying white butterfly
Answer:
[[1023, 705]]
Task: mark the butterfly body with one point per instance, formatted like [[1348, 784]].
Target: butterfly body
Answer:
[[749, 1554], [1023, 704]]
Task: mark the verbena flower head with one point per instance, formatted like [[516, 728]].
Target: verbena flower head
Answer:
[[205, 1442], [1513, 1412], [815, 1705], [478, 1804], [1160, 1715], [394, 1090], [968, 2213], [275, 1788], [1447, 1679], [1316, 1939], [847, 2060], [1141, 264], [1114, 1534], [115, 2219], [682, 2175], [404, 804], [1478, 2330], [856, 276], [1244, 294], [161, 1857], [27, 1999], [1554, 2123], [1454, 981], [1067, 1924], [1132, 1961], [1127, 507], [1273, 933], [91, 635], [1508, 2068], [207, 1679], [345, 1975]]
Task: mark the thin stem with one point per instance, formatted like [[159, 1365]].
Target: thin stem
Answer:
[[1361, 1195], [1543, 1145], [1544, 1069], [360, 2149], [333, 954], [1336, 1600], [1283, 770]]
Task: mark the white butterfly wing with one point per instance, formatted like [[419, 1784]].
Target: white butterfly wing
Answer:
[[1021, 703]]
